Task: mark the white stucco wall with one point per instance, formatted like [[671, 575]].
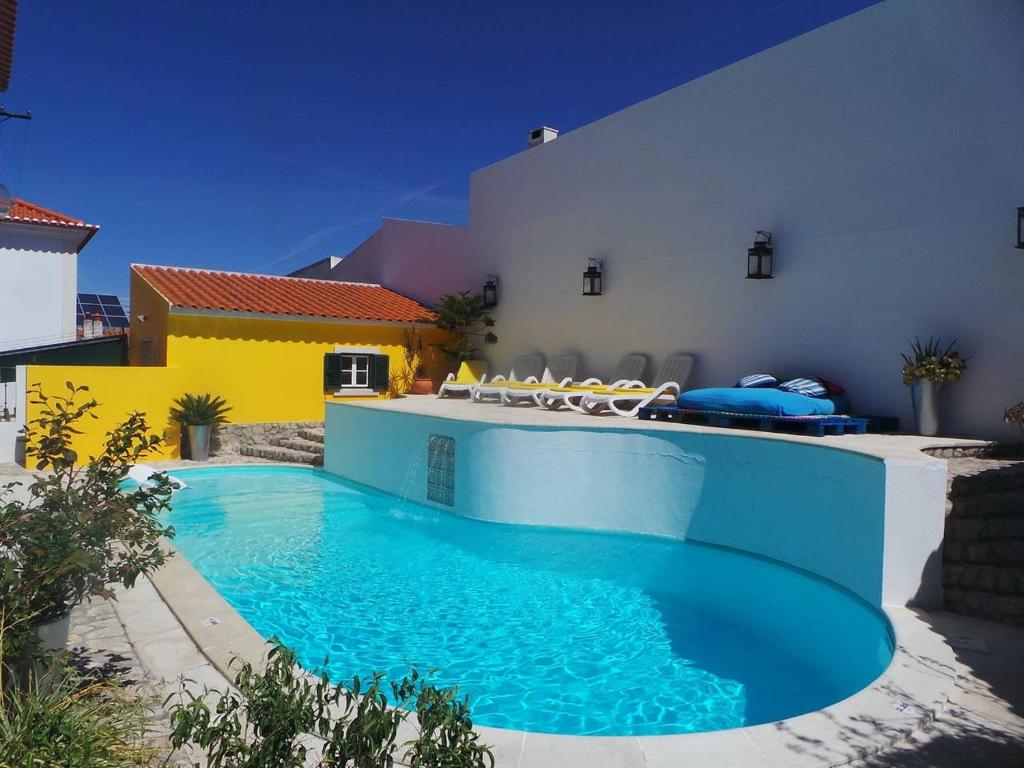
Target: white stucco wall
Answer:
[[421, 260], [38, 283], [885, 153], [873, 526]]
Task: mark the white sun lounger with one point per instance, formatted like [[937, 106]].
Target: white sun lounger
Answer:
[[561, 369], [628, 401], [143, 474], [525, 368], [471, 373], [628, 373]]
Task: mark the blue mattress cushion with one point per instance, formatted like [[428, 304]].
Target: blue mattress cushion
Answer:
[[757, 401]]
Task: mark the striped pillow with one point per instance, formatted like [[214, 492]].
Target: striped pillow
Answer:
[[757, 380], [809, 387]]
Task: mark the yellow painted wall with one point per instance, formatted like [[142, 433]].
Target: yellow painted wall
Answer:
[[270, 369], [119, 390], [153, 307]]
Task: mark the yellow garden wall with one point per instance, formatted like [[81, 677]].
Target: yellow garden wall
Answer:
[[119, 390], [267, 370]]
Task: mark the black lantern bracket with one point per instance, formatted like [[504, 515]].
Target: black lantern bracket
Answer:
[[490, 291], [1020, 227], [592, 277], [760, 257]]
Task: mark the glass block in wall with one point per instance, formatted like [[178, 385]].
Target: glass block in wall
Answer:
[[441, 469]]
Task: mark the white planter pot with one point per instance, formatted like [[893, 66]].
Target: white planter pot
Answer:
[[924, 395], [54, 635]]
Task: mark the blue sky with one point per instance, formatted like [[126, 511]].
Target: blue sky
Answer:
[[261, 136]]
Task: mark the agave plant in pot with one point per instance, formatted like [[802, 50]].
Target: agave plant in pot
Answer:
[[199, 414], [925, 370]]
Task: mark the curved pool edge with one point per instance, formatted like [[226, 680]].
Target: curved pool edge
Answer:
[[904, 699]]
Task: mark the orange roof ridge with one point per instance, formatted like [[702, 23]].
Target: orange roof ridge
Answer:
[[255, 274], [223, 291], [23, 210]]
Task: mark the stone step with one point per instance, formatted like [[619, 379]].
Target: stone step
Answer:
[[999, 504], [1008, 609], [987, 477], [300, 444], [1002, 580], [315, 434], [984, 528], [277, 453], [1008, 552]]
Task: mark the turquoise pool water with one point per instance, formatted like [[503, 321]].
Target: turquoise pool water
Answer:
[[546, 629]]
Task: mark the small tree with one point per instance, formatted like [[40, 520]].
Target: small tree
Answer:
[[465, 316], [78, 533], [266, 722]]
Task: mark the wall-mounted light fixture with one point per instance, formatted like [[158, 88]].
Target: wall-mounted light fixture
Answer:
[[141, 318], [759, 257], [592, 277], [1020, 227], [490, 292]]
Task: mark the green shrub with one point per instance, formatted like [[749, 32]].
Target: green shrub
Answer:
[[197, 410], [930, 361], [78, 533], [61, 721], [465, 317], [263, 725]]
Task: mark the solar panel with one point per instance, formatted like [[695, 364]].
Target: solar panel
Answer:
[[107, 306]]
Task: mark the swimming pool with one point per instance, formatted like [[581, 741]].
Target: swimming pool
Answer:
[[547, 630]]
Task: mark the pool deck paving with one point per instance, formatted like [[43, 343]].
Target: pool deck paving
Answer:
[[937, 706]]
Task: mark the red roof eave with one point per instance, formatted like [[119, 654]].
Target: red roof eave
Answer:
[[237, 292]]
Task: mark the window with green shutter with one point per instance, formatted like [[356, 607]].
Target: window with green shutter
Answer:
[[379, 365], [332, 371], [356, 372]]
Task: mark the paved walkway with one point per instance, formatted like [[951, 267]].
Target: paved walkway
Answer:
[[981, 726]]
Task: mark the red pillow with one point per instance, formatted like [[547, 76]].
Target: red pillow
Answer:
[[832, 387]]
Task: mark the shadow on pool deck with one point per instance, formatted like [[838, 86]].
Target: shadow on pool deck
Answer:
[[983, 721]]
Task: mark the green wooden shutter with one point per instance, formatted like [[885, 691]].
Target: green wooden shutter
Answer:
[[379, 372], [332, 371]]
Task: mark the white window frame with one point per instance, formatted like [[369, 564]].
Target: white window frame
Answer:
[[356, 369], [357, 390]]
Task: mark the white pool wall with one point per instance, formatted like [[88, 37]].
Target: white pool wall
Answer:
[[865, 523]]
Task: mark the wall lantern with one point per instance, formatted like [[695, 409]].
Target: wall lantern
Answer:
[[490, 292], [1020, 227], [592, 278], [759, 258]]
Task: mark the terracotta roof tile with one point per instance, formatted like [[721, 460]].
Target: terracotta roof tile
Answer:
[[24, 211], [272, 295]]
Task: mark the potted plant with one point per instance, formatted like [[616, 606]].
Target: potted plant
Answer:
[[199, 414], [464, 316], [925, 370], [416, 371]]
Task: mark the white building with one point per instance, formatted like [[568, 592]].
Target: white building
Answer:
[[885, 154], [39, 274], [418, 259], [38, 281]]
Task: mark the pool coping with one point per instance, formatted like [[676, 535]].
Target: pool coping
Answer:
[[881, 446], [906, 698]]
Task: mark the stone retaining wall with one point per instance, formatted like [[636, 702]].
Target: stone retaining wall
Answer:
[[983, 553], [231, 437]]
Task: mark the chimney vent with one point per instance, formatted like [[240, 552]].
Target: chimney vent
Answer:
[[542, 135]]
